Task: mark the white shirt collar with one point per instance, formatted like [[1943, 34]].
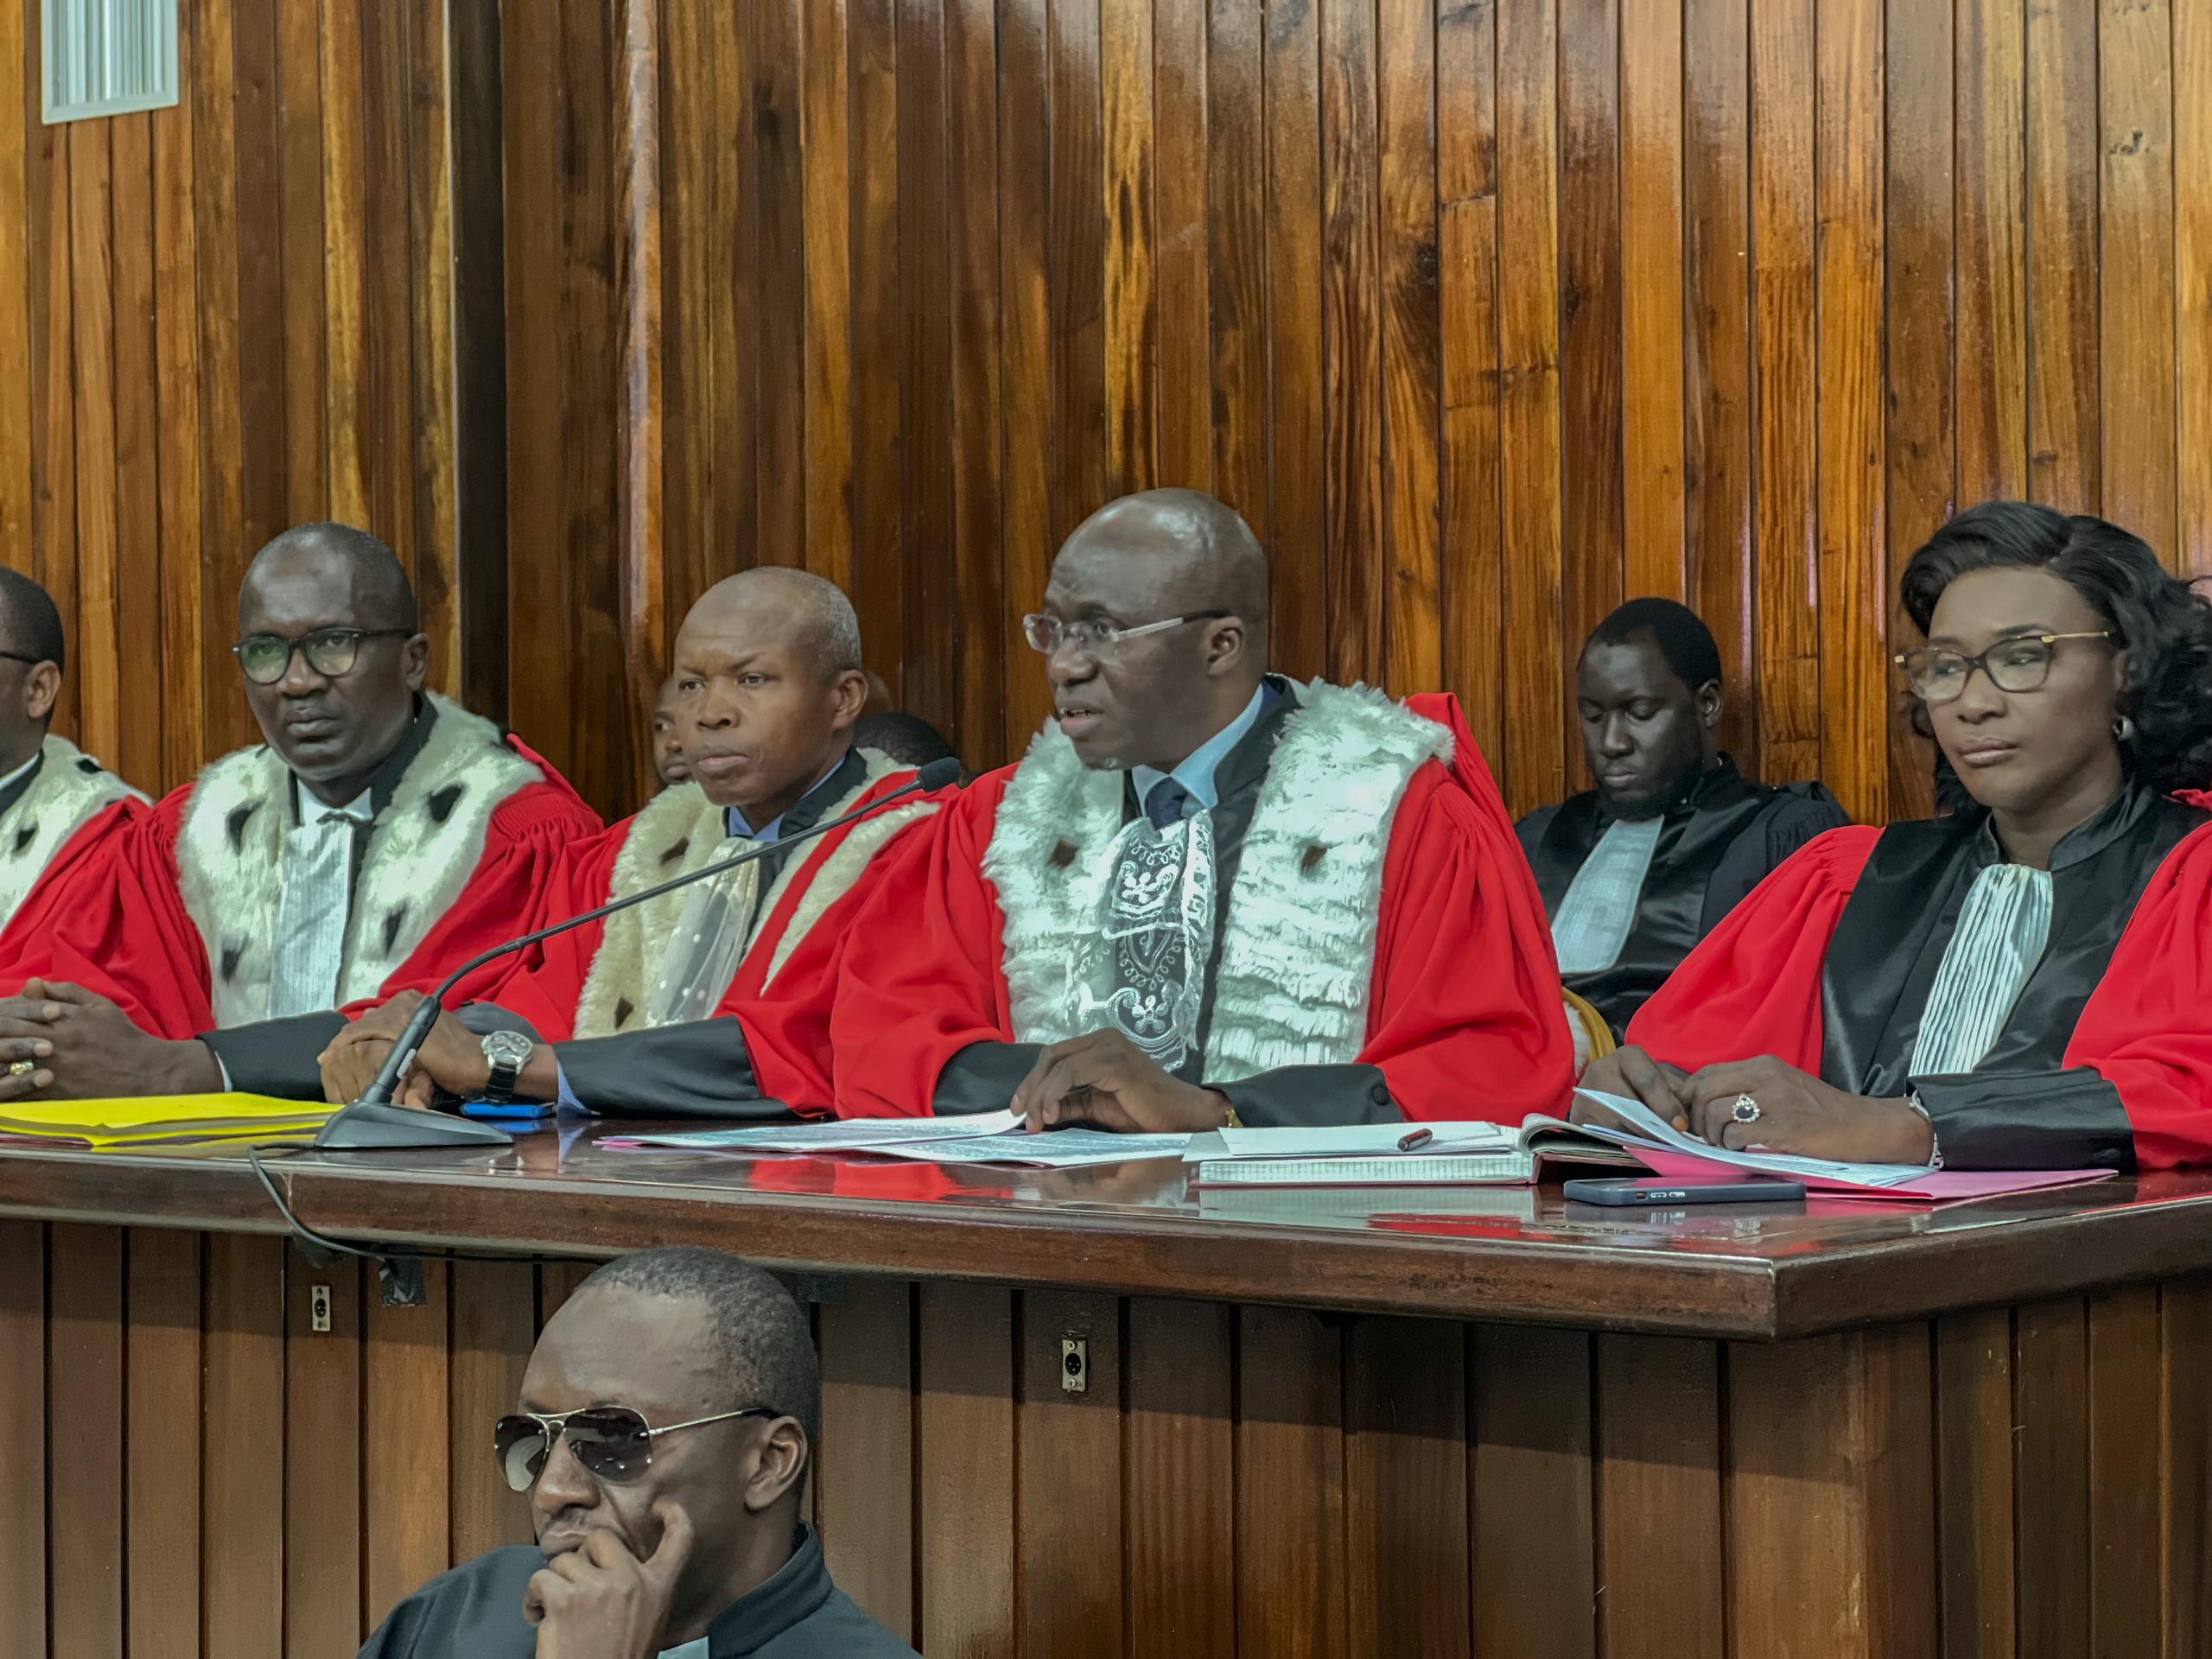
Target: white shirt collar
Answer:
[[309, 811], [735, 826], [36, 755], [1196, 774]]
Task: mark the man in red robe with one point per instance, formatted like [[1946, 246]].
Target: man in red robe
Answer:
[[1207, 895], [381, 836], [57, 804], [713, 1001]]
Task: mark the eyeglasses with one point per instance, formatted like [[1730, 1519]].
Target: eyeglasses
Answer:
[[1095, 640], [612, 1443], [2020, 664], [330, 651]]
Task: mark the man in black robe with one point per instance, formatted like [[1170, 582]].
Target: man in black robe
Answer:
[[1634, 872], [685, 1543]]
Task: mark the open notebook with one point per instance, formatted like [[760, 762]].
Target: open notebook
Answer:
[[1471, 1153]]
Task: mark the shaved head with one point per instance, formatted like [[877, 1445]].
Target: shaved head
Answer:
[[382, 595], [815, 617], [1209, 558]]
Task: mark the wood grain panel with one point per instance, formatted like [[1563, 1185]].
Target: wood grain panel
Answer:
[[1406, 1488], [242, 1487], [1351, 336], [1990, 53], [1652, 261], [16, 428], [1076, 249], [925, 499], [2064, 447], [324, 1457], [2126, 1451], [1180, 1464], [1660, 1547], [1297, 503], [91, 273], [1182, 275], [84, 1438], [1125, 89], [2185, 1482], [1069, 1479], [863, 1481], [22, 1381], [1412, 346], [2051, 1406], [162, 1390], [964, 1424], [1291, 1574], [1974, 1446], [494, 1327], [1532, 1486], [2192, 77], [404, 1384]]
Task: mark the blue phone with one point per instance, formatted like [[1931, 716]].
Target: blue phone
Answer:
[[1622, 1194], [525, 1111]]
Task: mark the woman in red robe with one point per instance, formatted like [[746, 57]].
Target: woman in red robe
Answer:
[[2026, 982]]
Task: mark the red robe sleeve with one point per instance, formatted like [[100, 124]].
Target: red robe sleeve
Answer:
[[2147, 1028], [544, 984], [1752, 985]]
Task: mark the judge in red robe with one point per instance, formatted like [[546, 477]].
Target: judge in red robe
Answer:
[[1207, 894], [2026, 983], [712, 1000], [381, 835]]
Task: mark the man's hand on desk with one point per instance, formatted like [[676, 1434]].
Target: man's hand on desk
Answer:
[[452, 1056], [1106, 1081], [1633, 1074], [1799, 1114], [85, 1047]]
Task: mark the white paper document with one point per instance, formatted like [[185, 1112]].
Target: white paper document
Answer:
[[841, 1134], [1054, 1149], [1361, 1141], [1646, 1125]]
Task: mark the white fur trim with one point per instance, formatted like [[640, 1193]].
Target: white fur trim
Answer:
[[680, 830], [230, 855], [1298, 948], [70, 788]]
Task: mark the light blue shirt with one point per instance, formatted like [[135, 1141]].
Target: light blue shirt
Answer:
[[1196, 774]]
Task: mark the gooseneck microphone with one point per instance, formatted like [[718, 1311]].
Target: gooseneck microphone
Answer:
[[374, 1121]]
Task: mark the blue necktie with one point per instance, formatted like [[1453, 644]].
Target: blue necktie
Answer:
[[1165, 804]]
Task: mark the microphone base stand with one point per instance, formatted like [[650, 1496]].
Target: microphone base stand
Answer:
[[379, 1126]]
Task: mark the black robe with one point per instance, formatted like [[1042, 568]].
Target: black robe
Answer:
[[1714, 847]]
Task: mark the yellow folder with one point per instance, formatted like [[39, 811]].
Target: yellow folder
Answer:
[[159, 1119]]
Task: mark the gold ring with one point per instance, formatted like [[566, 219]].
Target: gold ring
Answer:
[[21, 1068]]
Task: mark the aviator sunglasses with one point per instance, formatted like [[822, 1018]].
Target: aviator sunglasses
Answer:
[[612, 1443]]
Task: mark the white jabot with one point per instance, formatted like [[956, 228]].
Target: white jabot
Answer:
[[317, 901], [1599, 910], [2003, 928], [1196, 774]]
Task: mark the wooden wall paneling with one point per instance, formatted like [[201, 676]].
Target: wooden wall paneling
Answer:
[[878, 434], [1408, 1562], [1082, 464], [963, 1424], [17, 546], [1592, 492], [1716, 158], [1918, 304], [825, 153], [779, 361], [325, 1455], [2185, 1493], [1990, 53], [1130, 297], [557, 1282], [641, 598], [1025, 230], [162, 1407], [924, 375], [1351, 340], [1236, 202], [349, 421], [53, 376], [1830, 1467], [1413, 347], [135, 673], [477, 114], [92, 274], [1660, 1547], [2135, 263], [1291, 1560], [1180, 1460], [1298, 501], [1069, 1479], [863, 1483], [430, 422], [692, 141], [1183, 345], [1535, 746], [2192, 101], [730, 216], [257, 158], [22, 1382], [387, 256], [84, 1438], [301, 210], [2127, 1453], [980, 622], [1854, 675], [2064, 353], [1652, 253], [404, 1384], [1974, 1486], [1787, 460], [1529, 1463], [242, 1486], [185, 646], [1473, 567], [2050, 1408], [494, 1328]]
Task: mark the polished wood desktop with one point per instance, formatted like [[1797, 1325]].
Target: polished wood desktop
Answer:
[[1456, 1422]]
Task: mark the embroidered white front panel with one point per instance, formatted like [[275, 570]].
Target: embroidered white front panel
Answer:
[[1143, 973]]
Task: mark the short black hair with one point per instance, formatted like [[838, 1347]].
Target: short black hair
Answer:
[[2162, 623], [1678, 632], [380, 579], [765, 1345], [32, 624], [908, 739]]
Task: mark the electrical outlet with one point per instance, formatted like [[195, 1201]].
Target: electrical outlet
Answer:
[[1075, 1365], [319, 1308]]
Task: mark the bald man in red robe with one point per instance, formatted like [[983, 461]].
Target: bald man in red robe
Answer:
[[1207, 895], [380, 837]]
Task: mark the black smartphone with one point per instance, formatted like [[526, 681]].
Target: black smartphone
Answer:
[[1646, 1192]]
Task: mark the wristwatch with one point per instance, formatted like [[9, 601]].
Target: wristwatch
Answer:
[[507, 1052]]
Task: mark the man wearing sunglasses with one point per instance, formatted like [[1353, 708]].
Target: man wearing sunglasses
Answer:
[[379, 837], [1207, 895], [712, 1002], [58, 805], [668, 1417]]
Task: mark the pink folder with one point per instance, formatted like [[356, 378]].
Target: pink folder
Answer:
[[1937, 1187]]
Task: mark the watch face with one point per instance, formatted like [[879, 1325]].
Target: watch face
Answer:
[[507, 1045]]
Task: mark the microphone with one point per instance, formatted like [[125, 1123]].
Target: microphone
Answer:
[[374, 1121]]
